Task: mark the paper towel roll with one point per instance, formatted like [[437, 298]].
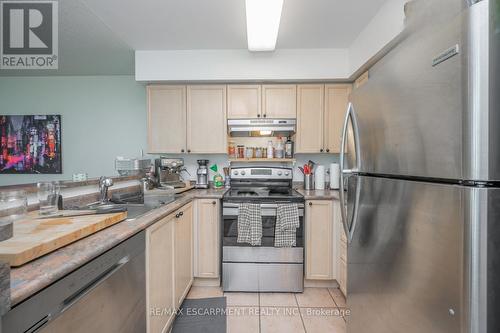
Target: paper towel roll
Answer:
[[334, 176], [319, 177]]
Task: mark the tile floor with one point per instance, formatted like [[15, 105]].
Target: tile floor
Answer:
[[314, 310]]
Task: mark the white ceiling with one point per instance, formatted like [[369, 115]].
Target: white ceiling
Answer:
[[221, 24], [98, 37]]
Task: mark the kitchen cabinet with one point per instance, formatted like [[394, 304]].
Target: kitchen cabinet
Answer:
[[244, 101], [166, 118], [320, 117], [183, 253], [188, 119], [336, 102], [207, 238], [341, 252], [159, 276], [310, 121], [169, 267], [319, 242], [206, 119], [279, 101]]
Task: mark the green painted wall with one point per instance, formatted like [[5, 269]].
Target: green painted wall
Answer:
[[102, 117]]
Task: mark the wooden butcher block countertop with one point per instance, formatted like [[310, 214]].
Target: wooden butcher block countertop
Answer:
[[34, 237]]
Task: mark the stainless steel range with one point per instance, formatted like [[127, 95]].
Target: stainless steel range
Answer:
[[263, 268]]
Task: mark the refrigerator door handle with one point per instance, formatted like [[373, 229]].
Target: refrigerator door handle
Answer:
[[345, 174]]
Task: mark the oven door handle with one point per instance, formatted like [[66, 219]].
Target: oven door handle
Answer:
[[262, 206]]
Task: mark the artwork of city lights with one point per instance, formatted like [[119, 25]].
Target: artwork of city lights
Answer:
[[30, 144]]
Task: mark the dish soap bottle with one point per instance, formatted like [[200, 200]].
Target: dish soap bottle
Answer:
[[218, 180]]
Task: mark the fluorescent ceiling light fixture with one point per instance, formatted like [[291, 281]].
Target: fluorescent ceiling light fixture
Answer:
[[263, 23]]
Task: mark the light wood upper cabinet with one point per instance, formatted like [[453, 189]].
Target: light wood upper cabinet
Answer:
[[243, 101], [336, 101], [310, 105], [206, 119], [207, 238], [159, 276], [166, 119], [279, 101], [320, 117], [183, 253], [319, 244]]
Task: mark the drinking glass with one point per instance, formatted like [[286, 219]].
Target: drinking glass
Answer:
[[48, 193], [13, 205]]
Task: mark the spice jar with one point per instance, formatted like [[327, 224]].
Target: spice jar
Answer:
[[241, 151], [250, 152], [231, 150], [258, 152]]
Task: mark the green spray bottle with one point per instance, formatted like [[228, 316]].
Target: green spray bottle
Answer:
[[218, 180]]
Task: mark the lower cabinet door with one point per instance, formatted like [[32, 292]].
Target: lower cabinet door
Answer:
[[159, 277], [207, 238], [319, 244], [183, 253]]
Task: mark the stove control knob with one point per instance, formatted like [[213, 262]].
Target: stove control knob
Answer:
[[280, 173], [235, 173], [243, 173], [287, 173]]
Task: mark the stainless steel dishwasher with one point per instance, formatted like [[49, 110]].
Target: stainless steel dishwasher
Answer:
[[108, 294]]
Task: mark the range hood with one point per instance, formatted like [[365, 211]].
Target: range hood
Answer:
[[261, 127]]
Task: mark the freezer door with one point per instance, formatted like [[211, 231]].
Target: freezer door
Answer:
[[410, 111], [406, 258]]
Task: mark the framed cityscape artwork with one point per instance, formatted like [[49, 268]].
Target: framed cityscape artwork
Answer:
[[30, 144]]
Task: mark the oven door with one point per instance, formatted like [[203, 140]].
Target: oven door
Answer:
[[268, 213]]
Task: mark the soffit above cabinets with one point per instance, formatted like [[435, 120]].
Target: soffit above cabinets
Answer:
[[221, 24]]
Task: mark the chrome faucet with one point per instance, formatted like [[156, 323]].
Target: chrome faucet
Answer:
[[104, 184]]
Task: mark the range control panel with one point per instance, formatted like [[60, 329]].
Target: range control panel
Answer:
[[261, 173]]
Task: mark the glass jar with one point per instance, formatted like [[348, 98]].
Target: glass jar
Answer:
[[249, 152], [231, 150], [258, 152], [241, 151]]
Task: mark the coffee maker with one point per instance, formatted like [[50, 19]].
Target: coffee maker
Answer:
[[202, 174], [168, 172]]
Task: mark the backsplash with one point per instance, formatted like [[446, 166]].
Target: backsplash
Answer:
[[222, 160]]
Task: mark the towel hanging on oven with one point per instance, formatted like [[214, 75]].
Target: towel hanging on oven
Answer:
[[249, 224], [287, 222]]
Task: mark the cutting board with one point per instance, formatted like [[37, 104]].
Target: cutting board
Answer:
[[34, 237]]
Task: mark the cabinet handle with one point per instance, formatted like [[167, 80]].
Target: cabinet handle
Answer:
[[213, 202], [182, 150], [265, 115], [310, 203], [189, 150], [321, 150], [328, 150], [177, 216], [181, 213], [258, 116]]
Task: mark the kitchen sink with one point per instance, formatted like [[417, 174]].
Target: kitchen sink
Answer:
[[134, 203]]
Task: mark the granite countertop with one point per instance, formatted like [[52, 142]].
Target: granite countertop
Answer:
[[32, 277], [319, 194]]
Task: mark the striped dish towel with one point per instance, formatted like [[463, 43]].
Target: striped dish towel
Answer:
[[249, 224], [287, 222]]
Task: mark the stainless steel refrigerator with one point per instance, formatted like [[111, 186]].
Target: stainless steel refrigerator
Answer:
[[421, 176]]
